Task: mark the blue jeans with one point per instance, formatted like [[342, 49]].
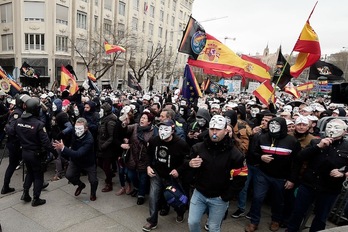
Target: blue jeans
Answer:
[[263, 184], [139, 180], [199, 205], [156, 189], [304, 199], [243, 195]]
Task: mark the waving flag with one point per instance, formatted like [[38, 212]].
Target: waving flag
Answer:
[[291, 89], [109, 48], [306, 86], [133, 83], [322, 68], [281, 75], [7, 84], [28, 71], [309, 50], [265, 92], [67, 80], [190, 87], [255, 69], [91, 76]]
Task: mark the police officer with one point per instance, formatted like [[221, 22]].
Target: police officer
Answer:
[[34, 139], [13, 144]]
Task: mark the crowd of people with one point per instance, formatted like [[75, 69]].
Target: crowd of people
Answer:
[[191, 156]]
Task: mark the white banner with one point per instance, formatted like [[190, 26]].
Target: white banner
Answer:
[[253, 86]]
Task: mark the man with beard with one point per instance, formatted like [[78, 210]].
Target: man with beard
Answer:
[[321, 182]]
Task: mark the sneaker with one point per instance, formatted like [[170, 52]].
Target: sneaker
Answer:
[[239, 213], [180, 218], [248, 216], [148, 227], [37, 202], [206, 226]]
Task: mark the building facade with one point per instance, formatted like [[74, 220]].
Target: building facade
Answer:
[[47, 34]]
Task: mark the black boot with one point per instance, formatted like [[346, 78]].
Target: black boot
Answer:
[[25, 196], [45, 184], [7, 189], [94, 187], [37, 202]]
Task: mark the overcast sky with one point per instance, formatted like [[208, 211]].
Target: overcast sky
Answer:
[[256, 23]]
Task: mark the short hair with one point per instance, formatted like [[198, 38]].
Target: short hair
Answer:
[[169, 113], [157, 104], [83, 121]]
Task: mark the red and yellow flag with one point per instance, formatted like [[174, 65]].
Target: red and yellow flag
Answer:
[[306, 86], [109, 48], [67, 80], [309, 50], [291, 89], [265, 92], [91, 76]]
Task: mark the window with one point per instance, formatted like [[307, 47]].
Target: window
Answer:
[[174, 6], [34, 42], [152, 11], [143, 28], [151, 29], [108, 4], [81, 45], [136, 5], [135, 24], [96, 2], [84, 0], [162, 2], [6, 13], [120, 30], [149, 48], [171, 36], [173, 21], [62, 14], [122, 8], [160, 32], [34, 11], [95, 23], [61, 43], [81, 20], [181, 13], [7, 42], [107, 26], [161, 15]]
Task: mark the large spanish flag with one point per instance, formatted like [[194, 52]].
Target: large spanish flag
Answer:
[[306, 86], [109, 48], [265, 92], [67, 80], [309, 50]]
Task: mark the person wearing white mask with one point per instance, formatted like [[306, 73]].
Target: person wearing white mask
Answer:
[[81, 157]]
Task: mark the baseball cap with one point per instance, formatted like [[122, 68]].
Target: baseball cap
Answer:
[[43, 96], [146, 97], [65, 102], [312, 118], [289, 122], [167, 123], [308, 109], [217, 122], [215, 105], [301, 119]]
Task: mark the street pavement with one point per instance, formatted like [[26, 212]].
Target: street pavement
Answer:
[[65, 212]]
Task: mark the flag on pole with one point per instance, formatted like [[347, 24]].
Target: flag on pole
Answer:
[[193, 39], [255, 69], [309, 50], [205, 84], [291, 89], [91, 76], [265, 92], [133, 83], [190, 87], [281, 72], [7, 84], [109, 48], [28, 71], [322, 68], [67, 80], [306, 86]]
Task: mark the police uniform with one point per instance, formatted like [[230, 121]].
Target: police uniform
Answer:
[[33, 138]]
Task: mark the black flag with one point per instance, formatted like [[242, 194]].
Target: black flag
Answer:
[[286, 76], [28, 71], [133, 83], [322, 68]]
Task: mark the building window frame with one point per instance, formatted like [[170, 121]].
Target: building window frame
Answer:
[[34, 42]]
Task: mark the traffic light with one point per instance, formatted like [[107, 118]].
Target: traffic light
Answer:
[[339, 93]]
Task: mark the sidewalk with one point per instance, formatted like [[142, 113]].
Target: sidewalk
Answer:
[[65, 212]]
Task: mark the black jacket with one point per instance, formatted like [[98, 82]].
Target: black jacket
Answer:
[[321, 162]]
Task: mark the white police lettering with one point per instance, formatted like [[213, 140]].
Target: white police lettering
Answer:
[[25, 126]]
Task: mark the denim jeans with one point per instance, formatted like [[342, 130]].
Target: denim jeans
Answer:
[[199, 205], [243, 195], [139, 180], [156, 190], [304, 199], [276, 187]]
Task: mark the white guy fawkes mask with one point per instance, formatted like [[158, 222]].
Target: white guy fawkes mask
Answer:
[[79, 131], [76, 111], [101, 113], [201, 121], [54, 107], [164, 132], [254, 111], [335, 128], [274, 127]]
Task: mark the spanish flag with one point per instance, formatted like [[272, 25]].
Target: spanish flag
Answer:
[[291, 89], [306, 86], [91, 76], [265, 92], [67, 80], [309, 50], [109, 48]]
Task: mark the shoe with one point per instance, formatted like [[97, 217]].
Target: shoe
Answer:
[[180, 218], [239, 213], [148, 227], [250, 228], [93, 197], [128, 189], [6, 190], [140, 200], [274, 226], [37, 202], [79, 189], [25, 196], [121, 191], [206, 226], [134, 193], [45, 184], [55, 178], [164, 212], [107, 188], [248, 216]]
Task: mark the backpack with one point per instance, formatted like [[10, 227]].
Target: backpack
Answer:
[[174, 195]]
